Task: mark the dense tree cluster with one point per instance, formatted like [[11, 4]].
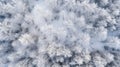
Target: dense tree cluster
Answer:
[[59, 33]]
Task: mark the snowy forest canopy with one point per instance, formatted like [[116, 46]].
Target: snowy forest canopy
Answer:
[[59, 33]]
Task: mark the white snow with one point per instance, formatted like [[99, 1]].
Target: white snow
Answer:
[[59, 33]]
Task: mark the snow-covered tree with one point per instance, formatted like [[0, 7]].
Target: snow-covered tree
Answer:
[[59, 33]]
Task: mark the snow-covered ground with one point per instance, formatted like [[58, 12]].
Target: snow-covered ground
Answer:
[[59, 33]]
